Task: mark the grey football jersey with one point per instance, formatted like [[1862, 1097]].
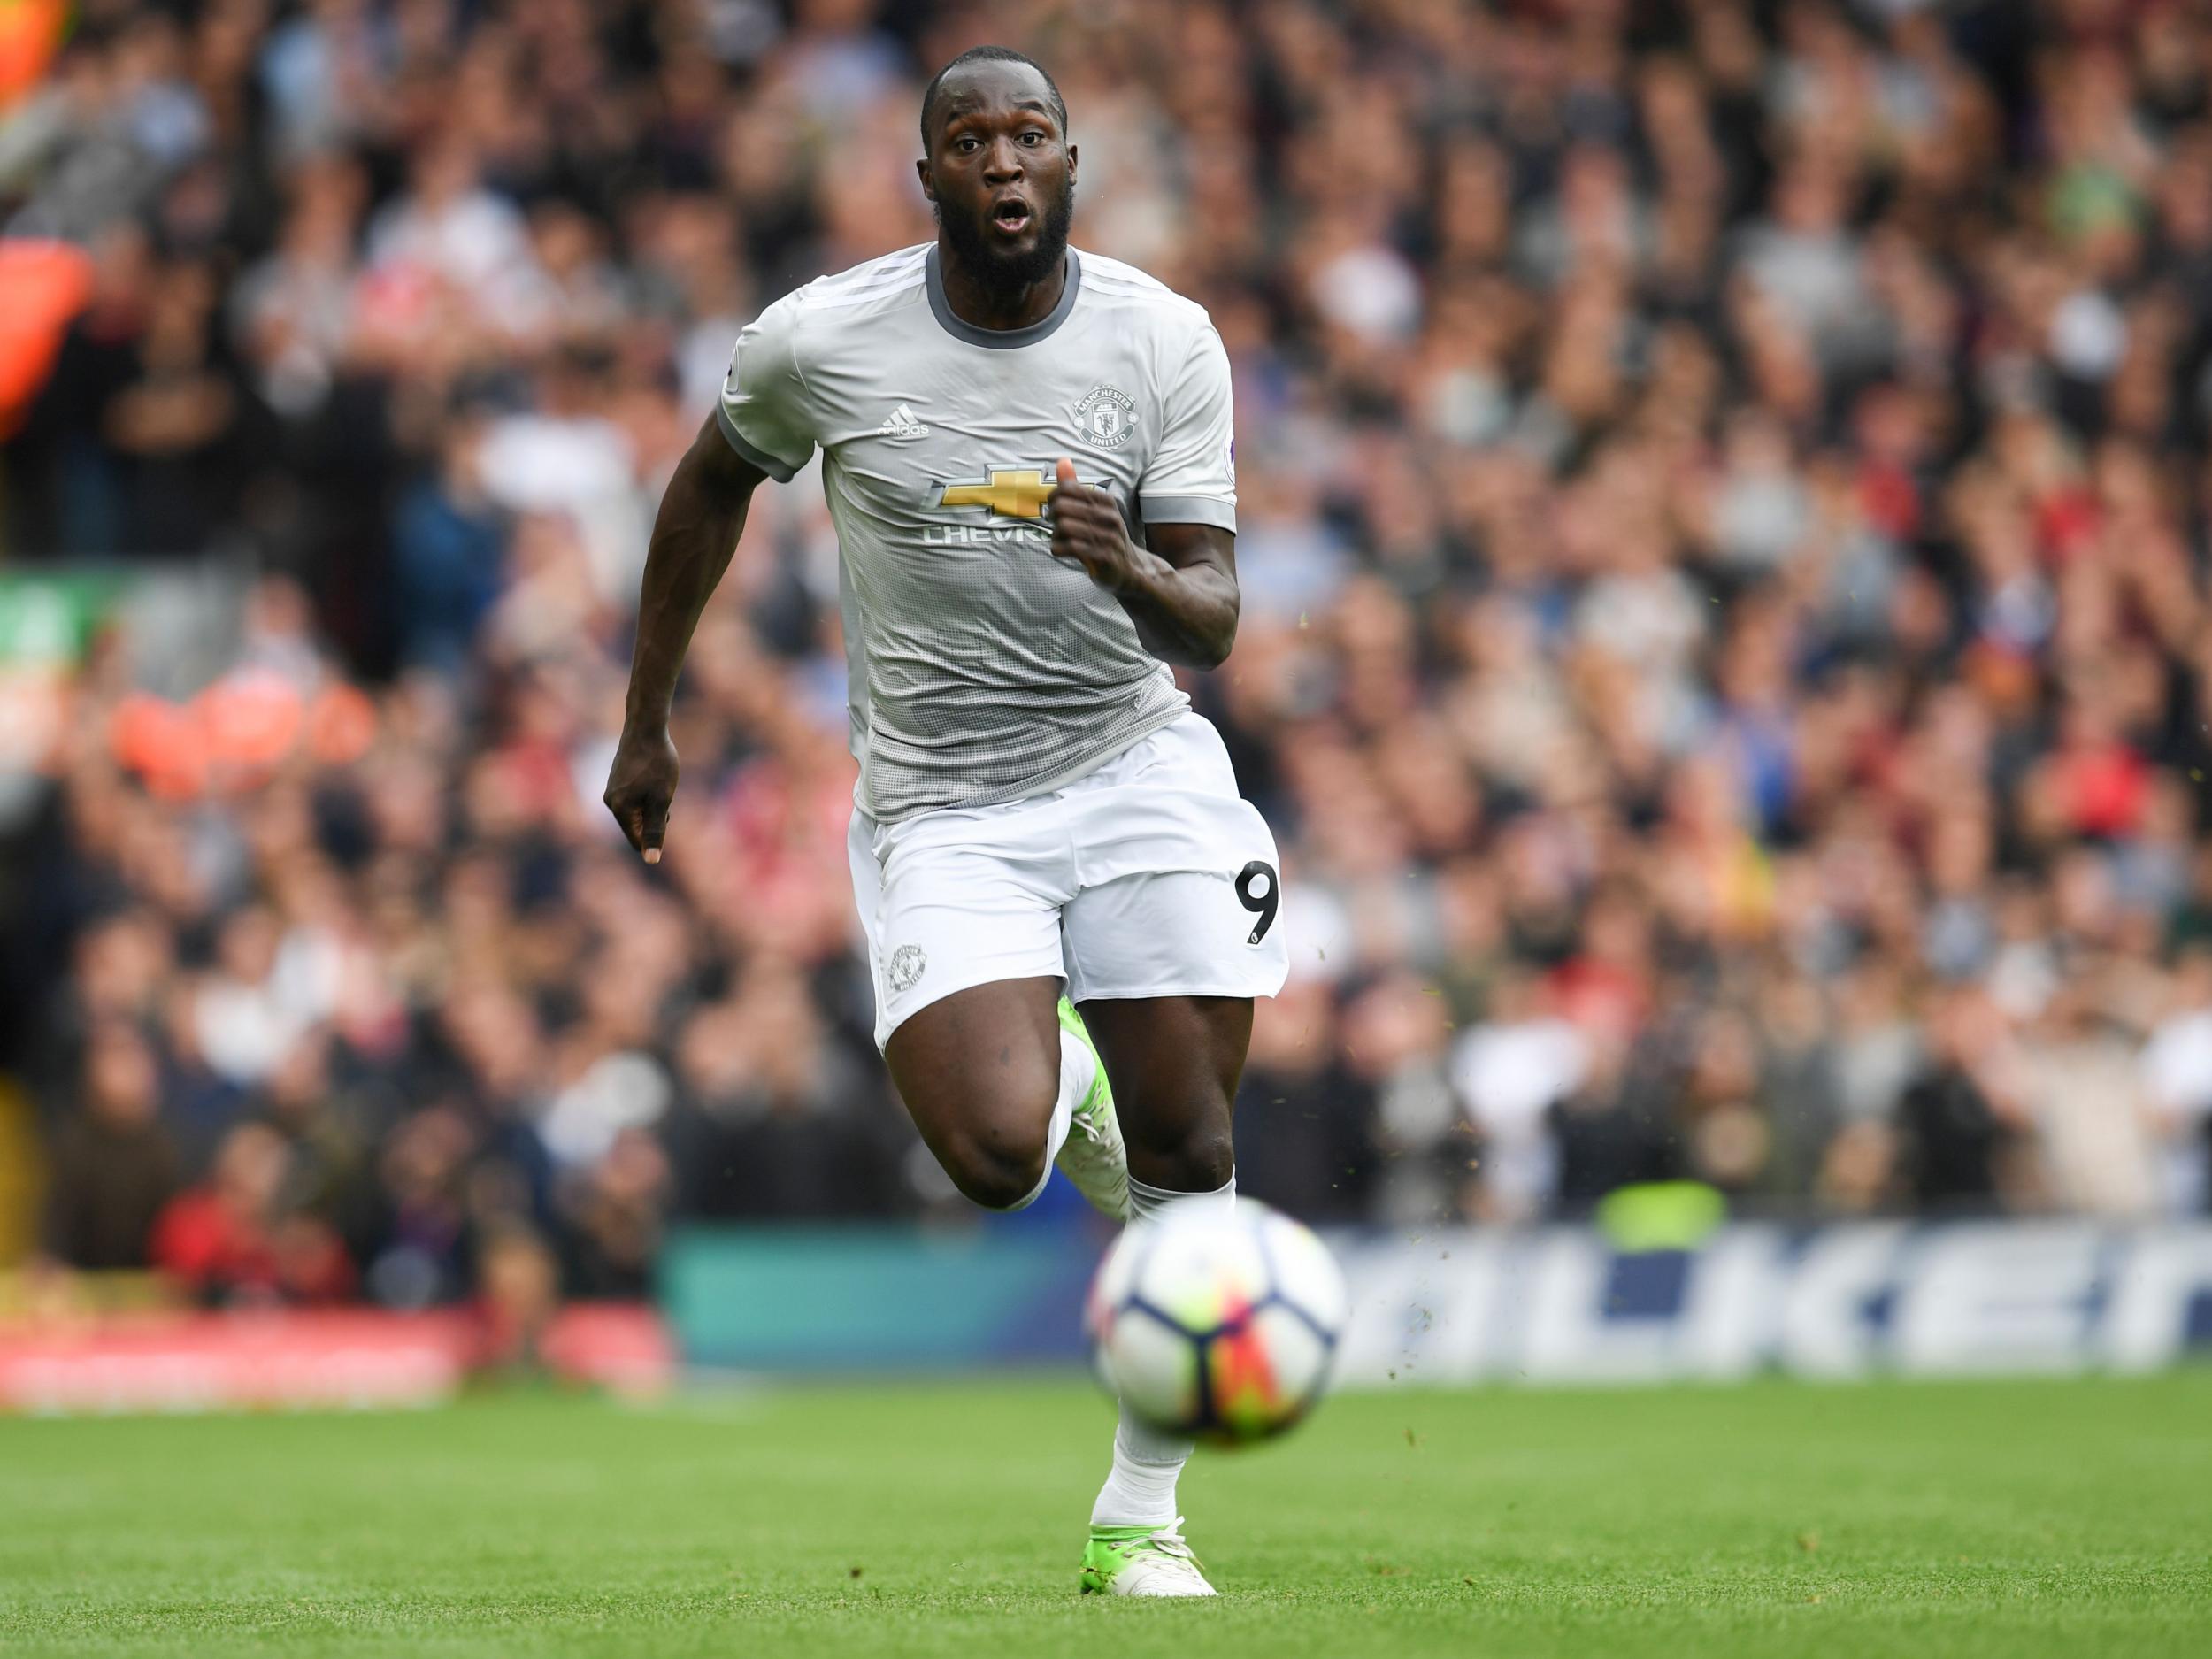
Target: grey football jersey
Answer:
[[981, 668]]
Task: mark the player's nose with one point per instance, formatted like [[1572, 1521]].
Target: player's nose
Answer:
[[1002, 162]]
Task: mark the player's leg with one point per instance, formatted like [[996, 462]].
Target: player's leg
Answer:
[[1175, 1062], [963, 923], [1168, 940], [980, 1074]]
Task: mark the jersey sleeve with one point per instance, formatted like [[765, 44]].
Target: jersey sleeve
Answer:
[[764, 409], [1193, 475]]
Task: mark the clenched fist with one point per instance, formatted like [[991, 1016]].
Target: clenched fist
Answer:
[[1088, 527]]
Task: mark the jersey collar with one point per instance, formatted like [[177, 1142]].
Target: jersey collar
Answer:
[[1000, 339]]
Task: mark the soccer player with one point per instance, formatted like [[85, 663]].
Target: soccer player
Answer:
[[1027, 454]]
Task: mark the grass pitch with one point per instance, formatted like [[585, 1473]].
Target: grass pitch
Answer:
[[2006, 1519]]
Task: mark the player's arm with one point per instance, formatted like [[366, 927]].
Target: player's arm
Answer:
[[763, 426], [702, 515], [1180, 590]]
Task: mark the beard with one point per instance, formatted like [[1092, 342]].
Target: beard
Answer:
[[1008, 276]]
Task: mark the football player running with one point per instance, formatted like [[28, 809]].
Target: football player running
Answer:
[[1027, 454]]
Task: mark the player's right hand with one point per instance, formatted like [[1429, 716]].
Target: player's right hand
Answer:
[[639, 787]]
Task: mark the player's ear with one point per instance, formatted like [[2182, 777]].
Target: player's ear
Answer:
[[929, 187], [1070, 163]]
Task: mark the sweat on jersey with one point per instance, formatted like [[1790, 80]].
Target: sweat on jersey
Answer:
[[981, 668]]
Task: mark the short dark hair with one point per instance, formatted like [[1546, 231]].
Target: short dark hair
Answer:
[[993, 54]]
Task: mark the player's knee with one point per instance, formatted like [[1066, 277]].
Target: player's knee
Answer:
[[995, 1154], [1200, 1162], [998, 1173]]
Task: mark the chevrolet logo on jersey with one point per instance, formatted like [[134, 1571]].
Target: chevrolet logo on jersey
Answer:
[[1019, 494]]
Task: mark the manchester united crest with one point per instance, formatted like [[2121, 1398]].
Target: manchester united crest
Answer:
[[905, 966], [1106, 417]]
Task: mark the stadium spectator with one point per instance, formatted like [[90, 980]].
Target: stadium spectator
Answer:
[[113, 1166], [242, 1238], [1304, 1119], [2177, 1065]]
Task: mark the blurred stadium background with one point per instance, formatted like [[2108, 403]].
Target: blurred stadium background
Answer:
[[1725, 652]]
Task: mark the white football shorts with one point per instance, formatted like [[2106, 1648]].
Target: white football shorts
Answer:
[[1150, 876]]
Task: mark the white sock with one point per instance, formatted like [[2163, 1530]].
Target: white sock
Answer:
[[1140, 1490], [1078, 1070], [1149, 1203]]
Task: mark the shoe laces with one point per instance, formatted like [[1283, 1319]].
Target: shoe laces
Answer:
[[1088, 1123], [1169, 1541]]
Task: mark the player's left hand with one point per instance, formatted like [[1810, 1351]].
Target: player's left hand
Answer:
[[1088, 527]]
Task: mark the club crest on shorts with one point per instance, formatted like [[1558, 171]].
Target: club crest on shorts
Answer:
[[905, 966], [1106, 417]]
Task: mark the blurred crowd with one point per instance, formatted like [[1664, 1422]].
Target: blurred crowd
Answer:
[[1724, 534]]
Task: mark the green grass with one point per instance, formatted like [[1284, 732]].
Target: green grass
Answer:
[[2004, 1519]]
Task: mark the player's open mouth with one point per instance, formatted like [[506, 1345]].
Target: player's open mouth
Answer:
[[1011, 217]]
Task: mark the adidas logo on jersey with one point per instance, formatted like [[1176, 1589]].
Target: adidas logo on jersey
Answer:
[[902, 424]]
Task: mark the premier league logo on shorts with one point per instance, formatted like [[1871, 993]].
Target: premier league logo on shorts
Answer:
[[905, 966], [1106, 417]]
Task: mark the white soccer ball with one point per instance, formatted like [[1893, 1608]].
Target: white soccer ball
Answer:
[[1221, 1326]]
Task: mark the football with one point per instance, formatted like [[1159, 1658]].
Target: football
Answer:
[[1221, 1326]]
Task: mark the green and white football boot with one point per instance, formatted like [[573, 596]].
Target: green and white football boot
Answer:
[[1092, 1156], [1141, 1560]]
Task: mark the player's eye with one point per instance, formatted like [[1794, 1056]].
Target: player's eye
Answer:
[[967, 143], [1033, 138]]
